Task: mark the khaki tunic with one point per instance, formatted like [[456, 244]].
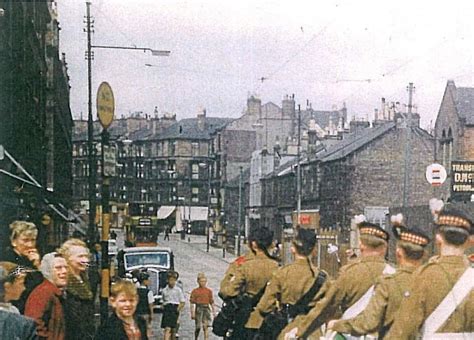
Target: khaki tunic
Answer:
[[379, 314], [431, 284], [250, 277], [232, 269], [353, 282], [288, 285]]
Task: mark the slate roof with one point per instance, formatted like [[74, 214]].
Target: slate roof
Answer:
[[353, 142], [188, 128], [464, 101]]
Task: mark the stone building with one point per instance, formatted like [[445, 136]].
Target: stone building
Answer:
[[365, 170], [454, 131], [35, 119]]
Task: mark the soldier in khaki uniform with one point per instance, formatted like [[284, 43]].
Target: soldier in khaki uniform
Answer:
[[379, 315], [440, 304], [291, 282], [351, 291], [251, 277], [232, 269]]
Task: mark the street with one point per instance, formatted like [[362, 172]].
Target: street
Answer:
[[190, 259]]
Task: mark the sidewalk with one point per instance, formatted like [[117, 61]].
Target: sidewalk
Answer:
[[199, 242]]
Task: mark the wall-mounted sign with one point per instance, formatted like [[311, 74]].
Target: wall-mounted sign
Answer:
[[462, 180], [436, 174], [110, 161]]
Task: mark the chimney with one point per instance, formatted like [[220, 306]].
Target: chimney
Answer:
[[201, 117], [288, 111], [254, 106], [376, 114], [383, 109]]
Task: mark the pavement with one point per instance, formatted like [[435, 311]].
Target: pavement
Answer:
[[191, 258]]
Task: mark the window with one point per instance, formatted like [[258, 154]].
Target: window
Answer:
[[195, 194], [195, 171], [171, 148], [195, 149]]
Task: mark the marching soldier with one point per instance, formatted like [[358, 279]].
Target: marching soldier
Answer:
[[293, 288], [351, 291], [250, 280], [379, 315], [440, 304]]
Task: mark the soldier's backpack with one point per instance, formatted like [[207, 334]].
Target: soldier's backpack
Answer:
[[275, 321]]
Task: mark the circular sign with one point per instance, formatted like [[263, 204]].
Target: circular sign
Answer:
[[435, 174], [105, 104]]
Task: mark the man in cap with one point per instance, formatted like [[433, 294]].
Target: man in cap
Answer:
[[289, 284], [440, 304], [351, 291], [389, 292], [250, 280]]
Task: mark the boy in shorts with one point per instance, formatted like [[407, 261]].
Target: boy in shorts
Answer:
[[202, 305], [173, 301]]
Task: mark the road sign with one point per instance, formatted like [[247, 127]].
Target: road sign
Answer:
[[435, 174], [110, 161], [105, 104]]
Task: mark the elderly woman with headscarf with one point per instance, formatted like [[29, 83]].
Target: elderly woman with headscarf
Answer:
[[79, 303], [23, 250], [44, 304]]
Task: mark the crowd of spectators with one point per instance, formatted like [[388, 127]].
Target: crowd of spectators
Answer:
[[52, 296]]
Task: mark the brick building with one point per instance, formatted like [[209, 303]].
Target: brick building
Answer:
[[364, 170], [35, 119]]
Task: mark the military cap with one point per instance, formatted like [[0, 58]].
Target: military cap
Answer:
[[368, 228], [412, 235], [452, 217]]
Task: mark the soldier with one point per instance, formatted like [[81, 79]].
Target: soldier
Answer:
[[390, 290], [250, 280], [351, 291], [440, 304], [288, 285]]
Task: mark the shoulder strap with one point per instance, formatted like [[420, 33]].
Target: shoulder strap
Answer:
[[454, 298], [311, 293]]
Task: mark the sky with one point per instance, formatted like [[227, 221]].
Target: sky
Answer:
[[327, 52]]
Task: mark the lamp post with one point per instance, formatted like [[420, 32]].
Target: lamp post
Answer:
[[90, 121], [208, 221], [239, 228]]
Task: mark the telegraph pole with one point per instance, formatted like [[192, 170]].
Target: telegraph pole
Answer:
[[90, 130], [298, 170], [406, 178]]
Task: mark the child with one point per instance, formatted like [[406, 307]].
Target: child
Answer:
[[202, 304], [122, 324], [145, 298], [173, 301]]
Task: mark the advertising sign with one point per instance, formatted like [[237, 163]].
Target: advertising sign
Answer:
[[462, 180], [110, 161]]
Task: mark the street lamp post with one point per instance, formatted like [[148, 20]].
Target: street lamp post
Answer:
[[239, 228], [90, 121], [208, 221]]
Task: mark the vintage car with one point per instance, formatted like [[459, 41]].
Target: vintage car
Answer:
[[156, 261]]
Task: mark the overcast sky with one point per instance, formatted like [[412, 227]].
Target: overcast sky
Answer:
[[329, 52]]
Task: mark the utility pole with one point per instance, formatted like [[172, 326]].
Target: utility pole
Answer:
[[90, 130], [239, 228], [406, 179], [298, 170]]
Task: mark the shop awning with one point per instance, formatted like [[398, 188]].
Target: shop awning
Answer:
[[165, 211], [193, 214]]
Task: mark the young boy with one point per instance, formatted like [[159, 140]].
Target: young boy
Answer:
[[145, 298], [173, 301], [202, 304]]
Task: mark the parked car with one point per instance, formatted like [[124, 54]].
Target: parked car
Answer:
[[157, 261]]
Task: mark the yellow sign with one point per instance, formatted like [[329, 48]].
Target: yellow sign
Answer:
[[105, 104]]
